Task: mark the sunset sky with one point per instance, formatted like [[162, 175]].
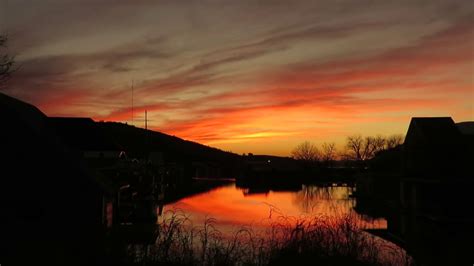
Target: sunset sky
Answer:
[[246, 76]]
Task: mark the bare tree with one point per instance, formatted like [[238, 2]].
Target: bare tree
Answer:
[[378, 144], [361, 149], [6, 61], [394, 141], [368, 148], [355, 147], [328, 152], [306, 151], [365, 148]]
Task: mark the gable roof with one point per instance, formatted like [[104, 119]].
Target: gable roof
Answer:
[[24, 113], [440, 130]]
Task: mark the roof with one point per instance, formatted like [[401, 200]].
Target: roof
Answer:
[[440, 130], [82, 134], [24, 113], [466, 128], [434, 148]]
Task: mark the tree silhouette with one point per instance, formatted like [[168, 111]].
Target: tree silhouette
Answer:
[[306, 151], [355, 147], [361, 149], [6, 61], [364, 148], [328, 153], [394, 141], [378, 144]]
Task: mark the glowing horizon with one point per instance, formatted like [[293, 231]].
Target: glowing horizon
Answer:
[[246, 77]]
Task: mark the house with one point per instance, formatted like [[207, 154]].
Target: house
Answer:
[[53, 207], [433, 147], [433, 220]]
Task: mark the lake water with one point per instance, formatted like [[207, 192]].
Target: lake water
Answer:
[[257, 211], [234, 207]]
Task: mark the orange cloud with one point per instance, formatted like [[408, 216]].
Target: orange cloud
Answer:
[[391, 86], [237, 97]]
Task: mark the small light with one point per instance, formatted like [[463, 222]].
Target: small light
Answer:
[[269, 161]]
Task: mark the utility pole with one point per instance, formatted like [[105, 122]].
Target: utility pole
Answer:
[[132, 102], [146, 120]]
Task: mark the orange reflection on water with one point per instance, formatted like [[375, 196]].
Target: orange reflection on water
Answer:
[[234, 207]]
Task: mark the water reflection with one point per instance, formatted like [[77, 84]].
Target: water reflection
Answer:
[[324, 199], [234, 207]]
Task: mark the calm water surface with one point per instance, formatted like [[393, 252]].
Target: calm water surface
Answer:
[[233, 207]]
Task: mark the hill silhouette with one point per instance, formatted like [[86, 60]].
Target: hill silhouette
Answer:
[[139, 142]]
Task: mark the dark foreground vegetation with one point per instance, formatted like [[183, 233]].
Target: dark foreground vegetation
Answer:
[[286, 241]]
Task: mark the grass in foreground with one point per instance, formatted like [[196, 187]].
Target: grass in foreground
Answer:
[[314, 241]]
